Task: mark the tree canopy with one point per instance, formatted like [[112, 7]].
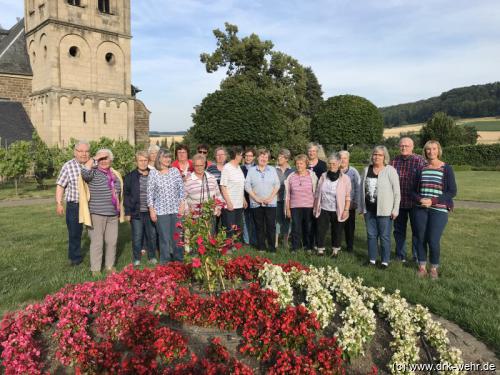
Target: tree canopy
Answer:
[[347, 119], [443, 128], [257, 72]]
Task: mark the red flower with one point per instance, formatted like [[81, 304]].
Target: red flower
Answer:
[[212, 241], [199, 240], [178, 224], [201, 249], [196, 263], [177, 236], [238, 245]]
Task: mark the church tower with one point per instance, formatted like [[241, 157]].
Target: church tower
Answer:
[[80, 58]]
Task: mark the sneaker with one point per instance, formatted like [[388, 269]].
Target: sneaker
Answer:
[[137, 263], [434, 273], [384, 265], [335, 251], [371, 263], [153, 261], [422, 271], [321, 251]]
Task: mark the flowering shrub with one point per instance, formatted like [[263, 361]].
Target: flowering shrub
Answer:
[[206, 250]]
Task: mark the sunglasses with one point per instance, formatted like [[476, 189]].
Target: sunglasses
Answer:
[[203, 152]]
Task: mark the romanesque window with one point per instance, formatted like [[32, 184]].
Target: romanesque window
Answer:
[[74, 2], [103, 6], [110, 58], [74, 51], [105, 118], [84, 117]]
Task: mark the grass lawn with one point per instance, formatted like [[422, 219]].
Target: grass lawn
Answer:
[[478, 185], [484, 126], [28, 188], [34, 264]]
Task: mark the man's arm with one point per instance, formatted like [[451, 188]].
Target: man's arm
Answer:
[[59, 200]]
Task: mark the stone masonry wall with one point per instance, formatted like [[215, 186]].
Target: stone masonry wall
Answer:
[[16, 88], [141, 123]]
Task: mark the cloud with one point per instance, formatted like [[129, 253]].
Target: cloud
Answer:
[[389, 51]]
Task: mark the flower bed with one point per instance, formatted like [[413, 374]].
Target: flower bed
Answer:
[[124, 324]]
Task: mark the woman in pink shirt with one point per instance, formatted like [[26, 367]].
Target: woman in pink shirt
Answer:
[[300, 187], [331, 204]]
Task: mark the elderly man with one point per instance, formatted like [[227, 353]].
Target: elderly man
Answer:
[[407, 164], [67, 186]]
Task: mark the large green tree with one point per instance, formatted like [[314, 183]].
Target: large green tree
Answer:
[[347, 119], [444, 129], [255, 70]]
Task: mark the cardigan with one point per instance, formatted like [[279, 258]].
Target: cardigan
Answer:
[[388, 193], [132, 201], [343, 194], [449, 188]]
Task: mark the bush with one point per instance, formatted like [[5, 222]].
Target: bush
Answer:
[[474, 155]]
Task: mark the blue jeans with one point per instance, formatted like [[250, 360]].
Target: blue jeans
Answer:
[[249, 234], [166, 227], [400, 232], [74, 233], [282, 222], [378, 227], [143, 229], [429, 225]]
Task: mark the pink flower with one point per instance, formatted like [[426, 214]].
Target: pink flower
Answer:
[[199, 240], [178, 224], [196, 263], [201, 249], [177, 236]]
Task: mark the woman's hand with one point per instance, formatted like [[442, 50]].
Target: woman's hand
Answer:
[[345, 215], [426, 202], [152, 215]]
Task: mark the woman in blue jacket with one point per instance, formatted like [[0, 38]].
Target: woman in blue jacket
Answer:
[[433, 192]]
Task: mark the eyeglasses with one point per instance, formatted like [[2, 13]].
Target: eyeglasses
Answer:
[[378, 155], [199, 165], [203, 152], [404, 146], [83, 151]]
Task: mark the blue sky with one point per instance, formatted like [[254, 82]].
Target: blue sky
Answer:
[[389, 51]]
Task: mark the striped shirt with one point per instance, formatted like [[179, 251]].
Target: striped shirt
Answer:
[[283, 176], [143, 192], [100, 202], [431, 186], [68, 179], [301, 191], [214, 171], [198, 191], [165, 191]]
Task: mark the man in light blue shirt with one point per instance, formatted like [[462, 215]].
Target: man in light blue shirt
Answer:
[[262, 184]]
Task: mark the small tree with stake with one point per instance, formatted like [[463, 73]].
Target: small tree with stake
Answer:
[[16, 161]]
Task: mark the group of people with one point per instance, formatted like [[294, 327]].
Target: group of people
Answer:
[[266, 204]]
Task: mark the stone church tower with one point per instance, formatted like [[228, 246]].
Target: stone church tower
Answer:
[[80, 57]]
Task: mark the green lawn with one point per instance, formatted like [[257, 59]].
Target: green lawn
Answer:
[[28, 188], [34, 263], [478, 185]]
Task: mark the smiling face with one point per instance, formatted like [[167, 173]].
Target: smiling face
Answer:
[[432, 152], [142, 163], [312, 153], [82, 153], [249, 157], [220, 157], [301, 166], [406, 146], [199, 167], [182, 155], [165, 161], [378, 158], [344, 161], [333, 165], [282, 160], [263, 159]]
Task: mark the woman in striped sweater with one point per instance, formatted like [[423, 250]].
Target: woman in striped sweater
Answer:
[[433, 191], [104, 187]]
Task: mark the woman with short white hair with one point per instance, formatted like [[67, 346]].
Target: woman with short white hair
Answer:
[[379, 202], [101, 207]]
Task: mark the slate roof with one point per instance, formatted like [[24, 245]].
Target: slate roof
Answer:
[[14, 57], [15, 125]]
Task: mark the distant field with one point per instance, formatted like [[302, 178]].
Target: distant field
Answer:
[[488, 129]]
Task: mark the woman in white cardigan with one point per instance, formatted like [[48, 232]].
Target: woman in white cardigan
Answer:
[[379, 202]]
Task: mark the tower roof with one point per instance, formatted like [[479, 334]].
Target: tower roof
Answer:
[[14, 57]]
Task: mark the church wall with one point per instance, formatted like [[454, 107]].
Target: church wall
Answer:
[[141, 123], [16, 88]]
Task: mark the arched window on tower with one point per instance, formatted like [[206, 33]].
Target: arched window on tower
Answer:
[[103, 6], [74, 2]]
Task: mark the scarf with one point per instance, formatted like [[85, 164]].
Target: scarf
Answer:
[[333, 176], [111, 185]]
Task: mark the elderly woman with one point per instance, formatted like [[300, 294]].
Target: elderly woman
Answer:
[[331, 204], [165, 201], [215, 169], [300, 187], [350, 223], [379, 202], [262, 185], [434, 189], [152, 152], [182, 162], [284, 170], [101, 207], [201, 186]]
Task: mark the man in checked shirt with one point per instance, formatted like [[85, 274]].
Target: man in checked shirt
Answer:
[[67, 182], [406, 164]]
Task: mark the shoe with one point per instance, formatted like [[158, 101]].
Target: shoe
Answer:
[[74, 263], [434, 273], [110, 270], [335, 251], [137, 263], [153, 261], [371, 263], [321, 251], [96, 273], [384, 265], [422, 271], [143, 251]]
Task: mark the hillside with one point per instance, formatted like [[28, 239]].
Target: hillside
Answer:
[[463, 102]]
